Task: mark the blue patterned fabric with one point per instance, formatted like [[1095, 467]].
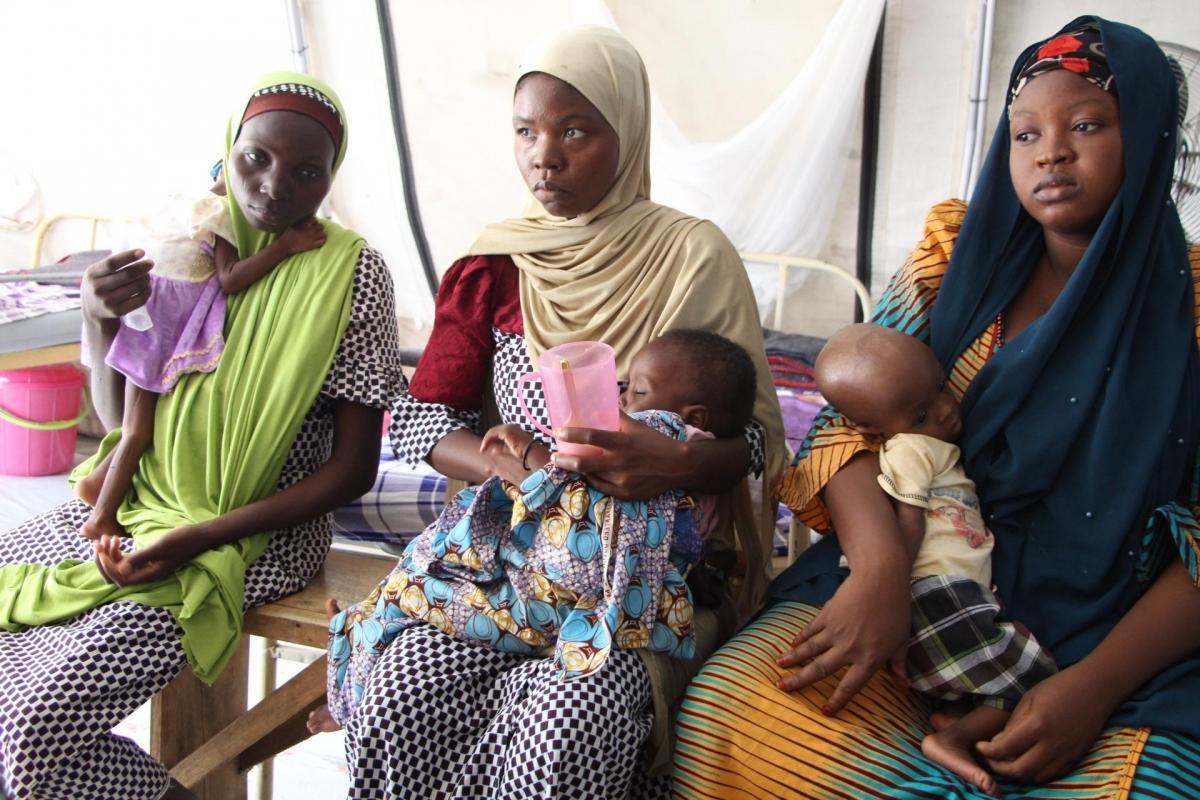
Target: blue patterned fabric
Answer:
[[553, 566]]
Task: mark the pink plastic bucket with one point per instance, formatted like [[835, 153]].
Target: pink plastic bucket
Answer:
[[40, 409]]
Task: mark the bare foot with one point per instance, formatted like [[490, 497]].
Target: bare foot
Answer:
[[321, 721], [88, 487], [952, 746], [96, 526], [942, 749]]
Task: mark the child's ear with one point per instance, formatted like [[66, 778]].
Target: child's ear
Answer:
[[696, 416]]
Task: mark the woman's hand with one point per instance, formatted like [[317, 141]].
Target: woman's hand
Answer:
[[869, 617], [1058, 720], [110, 288], [114, 286], [862, 626], [635, 462], [1052, 727], [157, 560]]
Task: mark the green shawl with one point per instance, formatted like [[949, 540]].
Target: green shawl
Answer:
[[220, 441]]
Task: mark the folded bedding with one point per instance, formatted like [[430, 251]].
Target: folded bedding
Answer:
[[792, 357]]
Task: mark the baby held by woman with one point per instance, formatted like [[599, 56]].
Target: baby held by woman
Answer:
[[554, 565], [191, 279], [891, 386]]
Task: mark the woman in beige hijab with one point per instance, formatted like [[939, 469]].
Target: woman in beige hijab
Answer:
[[592, 258]]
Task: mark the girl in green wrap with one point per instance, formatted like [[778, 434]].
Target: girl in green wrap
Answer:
[[282, 432]]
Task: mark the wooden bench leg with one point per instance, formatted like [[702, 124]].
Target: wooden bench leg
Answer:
[[290, 733], [270, 727], [186, 714]]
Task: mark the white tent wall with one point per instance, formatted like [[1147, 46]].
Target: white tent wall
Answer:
[[107, 104], [457, 62], [114, 104]]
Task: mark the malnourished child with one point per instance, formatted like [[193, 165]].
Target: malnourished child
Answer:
[[191, 278], [890, 385]]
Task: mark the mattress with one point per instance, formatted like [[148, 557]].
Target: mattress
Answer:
[[403, 501]]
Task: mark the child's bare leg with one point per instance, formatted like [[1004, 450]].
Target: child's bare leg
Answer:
[[88, 487], [320, 720], [947, 715], [953, 747], [137, 431]]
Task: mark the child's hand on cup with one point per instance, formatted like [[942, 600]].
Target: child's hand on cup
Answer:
[[307, 234], [515, 443]]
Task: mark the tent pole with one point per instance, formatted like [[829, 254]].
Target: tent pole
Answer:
[[296, 29], [407, 177], [869, 164]]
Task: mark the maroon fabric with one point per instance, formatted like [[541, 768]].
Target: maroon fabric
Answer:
[[301, 104], [477, 294]]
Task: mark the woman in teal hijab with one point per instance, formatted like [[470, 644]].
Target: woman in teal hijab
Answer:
[[230, 505], [1062, 305]]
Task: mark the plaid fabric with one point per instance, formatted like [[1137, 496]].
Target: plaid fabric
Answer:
[[962, 645], [402, 503]]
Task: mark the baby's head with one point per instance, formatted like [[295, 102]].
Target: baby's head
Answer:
[[706, 379], [887, 383]]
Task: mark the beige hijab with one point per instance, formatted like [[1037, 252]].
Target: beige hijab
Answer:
[[629, 269]]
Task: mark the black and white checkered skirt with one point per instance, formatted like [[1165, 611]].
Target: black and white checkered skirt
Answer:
[[64, 687], [443, 718]]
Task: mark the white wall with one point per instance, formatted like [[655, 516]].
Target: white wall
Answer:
[[108, 104], [114, 104], [714, 65]]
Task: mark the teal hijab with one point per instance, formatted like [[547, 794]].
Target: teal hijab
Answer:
[[1081, 433]]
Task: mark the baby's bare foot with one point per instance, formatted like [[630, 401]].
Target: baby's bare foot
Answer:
[[331, 606], [944, 748], [321, 721], [96, 526]]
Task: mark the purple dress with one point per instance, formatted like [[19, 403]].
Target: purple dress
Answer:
[[186, 305]]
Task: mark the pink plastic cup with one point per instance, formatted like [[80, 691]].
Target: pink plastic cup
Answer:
[[579, 381]]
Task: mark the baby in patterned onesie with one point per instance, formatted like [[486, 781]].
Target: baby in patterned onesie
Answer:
[[554, 567], [892, 388]]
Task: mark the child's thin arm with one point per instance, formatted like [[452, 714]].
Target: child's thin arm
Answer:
[[518, 443], [235, 275], [349, 473], [912, 527]]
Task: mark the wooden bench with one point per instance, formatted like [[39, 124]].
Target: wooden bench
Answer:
[[206, 736]]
